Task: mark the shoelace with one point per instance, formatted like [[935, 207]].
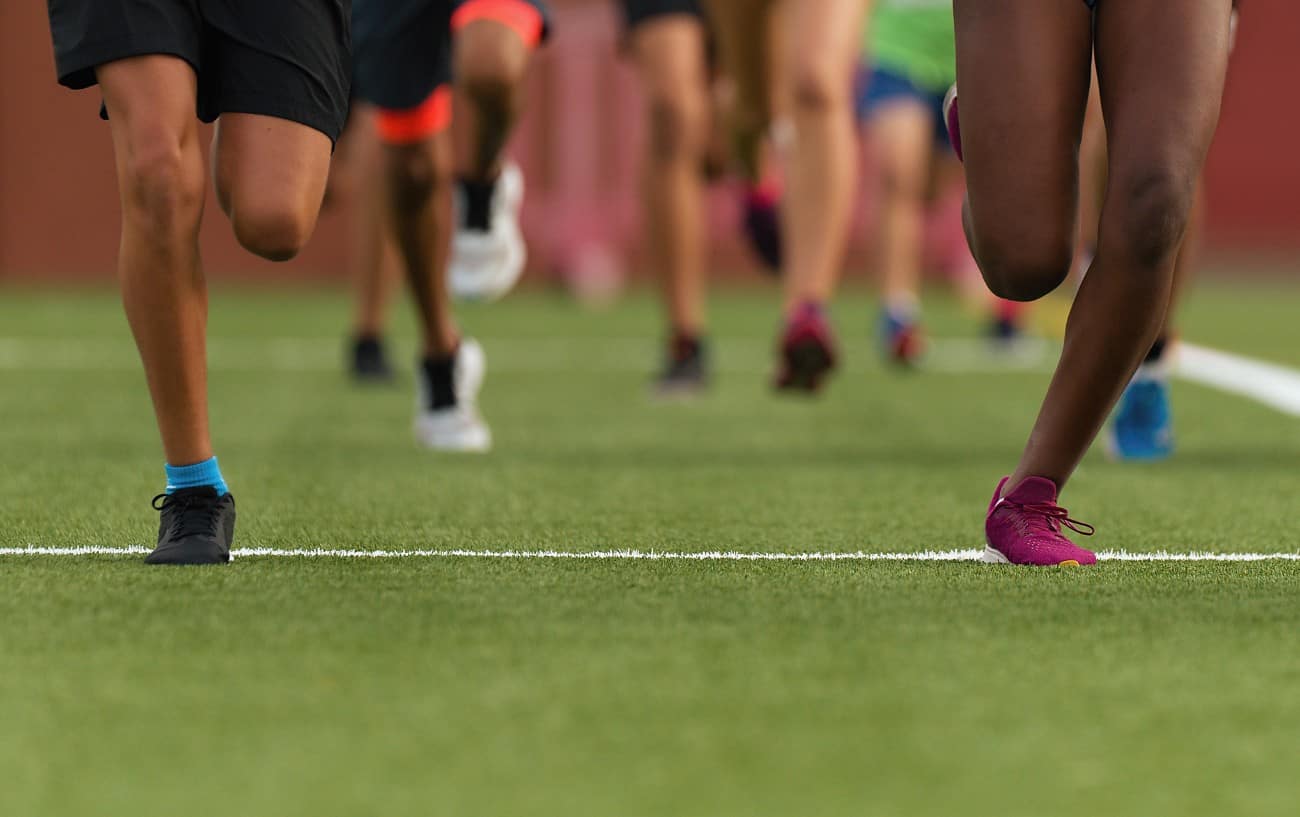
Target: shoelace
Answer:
[[186, 522], [1055, 516]]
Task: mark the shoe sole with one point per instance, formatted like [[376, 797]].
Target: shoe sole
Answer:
[[193, 559], [996, 557], [1116, 454]]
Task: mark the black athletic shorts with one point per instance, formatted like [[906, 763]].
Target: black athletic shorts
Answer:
[[403, 47], [284, 58], [636, 12]]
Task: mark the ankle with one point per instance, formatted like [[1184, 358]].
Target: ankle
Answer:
[[203, 474]]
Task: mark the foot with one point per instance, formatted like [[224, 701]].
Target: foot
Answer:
[[196, 528], [902, 341], [1142, 427], [952, 120], [1023, 527], [807, 350], [685, 372], [488, 250], [454, 425], [1003, 330], [368, 361], [762, 225]]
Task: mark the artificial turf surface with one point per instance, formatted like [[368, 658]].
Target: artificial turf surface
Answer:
[[425, 686]]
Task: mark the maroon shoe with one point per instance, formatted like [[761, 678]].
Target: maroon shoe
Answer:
[[807, 351]]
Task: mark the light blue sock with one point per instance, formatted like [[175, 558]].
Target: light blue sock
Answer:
[[196, 476]]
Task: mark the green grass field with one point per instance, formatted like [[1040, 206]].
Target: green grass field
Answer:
[[417, 686]]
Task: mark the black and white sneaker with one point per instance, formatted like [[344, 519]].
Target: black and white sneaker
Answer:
[[368, 361], [197, 527], [685, 373], [447, 416]]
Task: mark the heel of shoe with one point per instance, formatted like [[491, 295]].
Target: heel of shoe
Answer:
[[993, 557]]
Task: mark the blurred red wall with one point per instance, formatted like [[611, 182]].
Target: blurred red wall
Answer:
[[579, 145]]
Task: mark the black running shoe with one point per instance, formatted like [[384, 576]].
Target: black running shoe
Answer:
[[369, 360], [196, 528], [685, 372]]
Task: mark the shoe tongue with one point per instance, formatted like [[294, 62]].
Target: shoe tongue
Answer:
[[202, 490], [1034, 490]]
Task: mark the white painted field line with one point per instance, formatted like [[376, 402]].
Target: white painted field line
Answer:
[[968, 555], [1273, 385]]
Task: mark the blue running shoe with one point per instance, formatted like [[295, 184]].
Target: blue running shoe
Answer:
[[1142, 429]]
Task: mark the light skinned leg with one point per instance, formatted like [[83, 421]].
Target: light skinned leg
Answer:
[[670, 53], [161, 181], [490, 60], [745, 35], [270, 176], [819, 46], [901, 135], [417, 184], [1162, 79]]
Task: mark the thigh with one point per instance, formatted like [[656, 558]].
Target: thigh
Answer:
[[741, 28], [1161, 76], [150, 101], [266, 160], [670, 54], [822, 35], [1024, 69], [901, 130], [151, 91]]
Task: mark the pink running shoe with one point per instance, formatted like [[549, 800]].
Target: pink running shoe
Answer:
[[952, 120], [1024, 527], [807, 351]]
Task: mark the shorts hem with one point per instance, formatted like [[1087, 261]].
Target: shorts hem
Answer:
[[316, 119], [77, 69]]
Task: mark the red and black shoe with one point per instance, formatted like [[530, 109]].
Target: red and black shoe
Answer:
[[807, 351]]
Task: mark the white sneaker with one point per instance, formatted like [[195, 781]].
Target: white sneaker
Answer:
[[485, 265], [459, 427]]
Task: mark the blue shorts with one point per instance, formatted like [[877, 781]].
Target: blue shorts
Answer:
[[880, 86]]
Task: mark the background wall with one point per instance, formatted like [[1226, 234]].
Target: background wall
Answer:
[[579, 145]]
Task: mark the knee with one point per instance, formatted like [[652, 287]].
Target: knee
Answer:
[[1021, 269], [678, 125], [900, 183], [274, 230], [817, 86], [1149, 214], [414, 175], [490, 64], [162, 182]]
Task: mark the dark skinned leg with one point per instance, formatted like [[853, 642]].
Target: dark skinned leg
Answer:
[[417, 179], [1161, 77]]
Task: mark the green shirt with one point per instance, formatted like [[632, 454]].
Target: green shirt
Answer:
[[914, 38]]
